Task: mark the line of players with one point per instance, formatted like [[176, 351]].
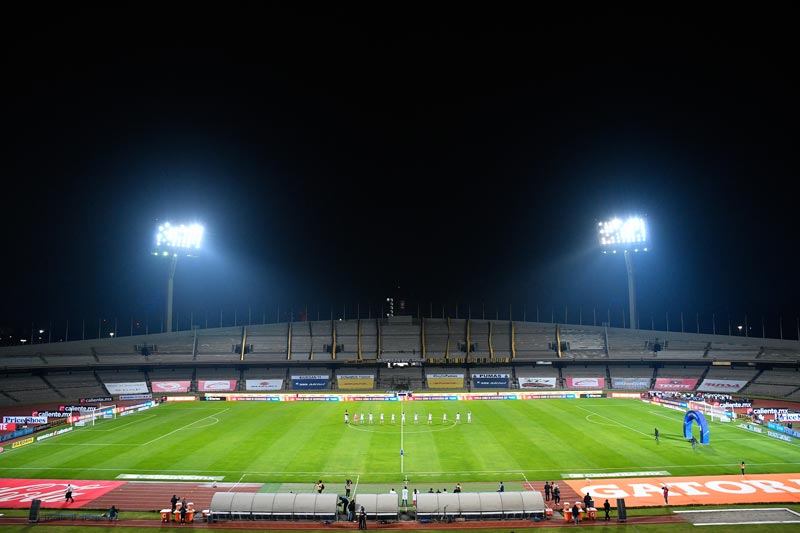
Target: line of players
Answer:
[[368, 419]]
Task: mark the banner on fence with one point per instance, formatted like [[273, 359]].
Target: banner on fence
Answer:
[[131, 387], [721, 385], [537, 383], [171, 386], [355, 381], [264, 384], [585, 383]]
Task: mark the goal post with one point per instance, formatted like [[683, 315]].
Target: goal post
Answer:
[[104, 411], [716, 413], [101, 411]]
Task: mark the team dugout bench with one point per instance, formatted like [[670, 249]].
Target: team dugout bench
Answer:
[[60, 516], [102, 516]]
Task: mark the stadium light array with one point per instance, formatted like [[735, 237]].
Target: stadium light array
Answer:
[[626, 235], [629, 236], [173, 241]]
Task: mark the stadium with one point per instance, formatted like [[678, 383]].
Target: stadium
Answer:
[[427, 268], [228, 416]]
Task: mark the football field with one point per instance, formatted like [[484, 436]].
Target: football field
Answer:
[[300, 442]]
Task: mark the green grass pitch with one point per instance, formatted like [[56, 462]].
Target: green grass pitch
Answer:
[[293, 444]]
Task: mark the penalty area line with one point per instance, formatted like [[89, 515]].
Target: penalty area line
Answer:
[[185, 427]]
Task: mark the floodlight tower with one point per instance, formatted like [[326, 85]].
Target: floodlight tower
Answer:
[[628, 236], [173, 241]]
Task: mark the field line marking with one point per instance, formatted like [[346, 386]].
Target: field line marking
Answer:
[[402, 452], [237, 483], [184, 427], [614, 421], [126, 424], [662, 415]]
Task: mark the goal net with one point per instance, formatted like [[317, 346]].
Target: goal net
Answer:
[[100, 412], [716, 413]]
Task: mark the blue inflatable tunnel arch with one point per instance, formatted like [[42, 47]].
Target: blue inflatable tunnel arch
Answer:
[[691, 416]]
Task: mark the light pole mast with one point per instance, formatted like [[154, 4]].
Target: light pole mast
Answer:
[[174, 241], [170, 288], [631, 289], [628, 236]]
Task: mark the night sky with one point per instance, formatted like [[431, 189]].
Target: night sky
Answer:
[[336, 154]]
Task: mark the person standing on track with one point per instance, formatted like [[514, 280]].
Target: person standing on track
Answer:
[[362, 518], [68, 494]]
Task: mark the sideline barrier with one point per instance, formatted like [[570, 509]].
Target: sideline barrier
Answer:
[[378, 506], [270, 506], [480, 505]]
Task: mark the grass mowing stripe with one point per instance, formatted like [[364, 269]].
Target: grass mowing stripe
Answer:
[[299, 442], [185, 427]]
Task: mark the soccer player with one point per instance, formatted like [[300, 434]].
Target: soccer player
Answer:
[[656, 433], [416, 418], [370, 418], [403, 418], [392, 418], [469, 417], [430, 418], [458, 418], [444, 418], [355, 418], [363, 418], [381, 418], [346, 417]]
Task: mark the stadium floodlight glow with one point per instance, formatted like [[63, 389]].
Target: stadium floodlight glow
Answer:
[[617, 234], [182, 237], [176, 240], [628, 236]]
